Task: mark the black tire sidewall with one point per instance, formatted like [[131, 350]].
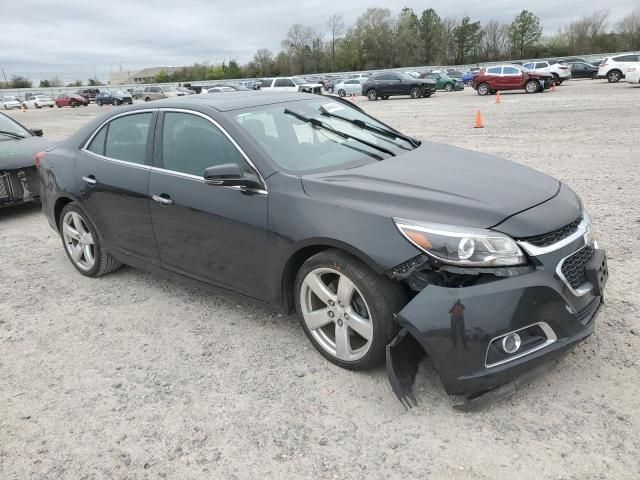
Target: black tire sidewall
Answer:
[[97, 245], [383, 297]]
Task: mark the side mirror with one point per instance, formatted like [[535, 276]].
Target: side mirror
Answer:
[[228, 175], [37, 132]]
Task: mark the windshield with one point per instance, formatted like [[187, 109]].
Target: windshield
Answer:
[[296, 145], [170, 89], [9, 99], [9, 125], [120, 92], [298, 81]]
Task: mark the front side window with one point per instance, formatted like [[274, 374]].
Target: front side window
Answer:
[[510, 71], [528, 66], [191, 144], [494, 70], [126, 138], [284, 82], [542, 65]]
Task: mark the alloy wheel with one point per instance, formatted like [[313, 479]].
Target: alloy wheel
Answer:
[[78, 241], [336, 314], [414, 92], [372, 94], [483, 89], [448, 87]]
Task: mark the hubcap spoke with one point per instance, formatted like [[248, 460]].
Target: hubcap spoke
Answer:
[[71, 232], [360, 325], [88, 239], [343, 347], [345, 290], [88, 254], [317, 319], [76, 252], [317, 286], [77, 223]]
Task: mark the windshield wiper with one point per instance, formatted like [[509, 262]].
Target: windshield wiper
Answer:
[[318, 123], [12, 134], [372, 128]]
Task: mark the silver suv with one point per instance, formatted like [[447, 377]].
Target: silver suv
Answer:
[[155, 93]]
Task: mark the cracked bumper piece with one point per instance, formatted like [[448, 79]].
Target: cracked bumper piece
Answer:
[[489, 335]]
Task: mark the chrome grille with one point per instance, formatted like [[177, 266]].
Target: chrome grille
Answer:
[[550, 238], [574, 267]]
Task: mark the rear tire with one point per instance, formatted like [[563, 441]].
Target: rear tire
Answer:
[[369, 303], [415, 92], [94, 259], [372, 94], [614, 76], [448, 87], [99, 103]]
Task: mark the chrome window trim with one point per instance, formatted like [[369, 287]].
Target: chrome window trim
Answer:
[[85, 149], [544, 326], [582, 231], [582, 289]]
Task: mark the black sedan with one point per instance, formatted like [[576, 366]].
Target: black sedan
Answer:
[[385, 246], [385, 85], [118, 97], [583, 70], [18, 175]]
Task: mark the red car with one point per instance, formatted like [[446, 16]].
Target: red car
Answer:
[[507, 77], [70, 100]]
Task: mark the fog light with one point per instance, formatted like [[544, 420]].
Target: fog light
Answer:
[[511, 343]]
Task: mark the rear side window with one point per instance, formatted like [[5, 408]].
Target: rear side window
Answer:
[[284, 82], [626, 58], [127, 138], [190, 144], [542, 65], [97, 144]]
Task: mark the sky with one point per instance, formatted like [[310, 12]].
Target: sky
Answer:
[[81, 39]]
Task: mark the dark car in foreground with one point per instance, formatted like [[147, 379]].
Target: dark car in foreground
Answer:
[[114, 98], [583, 70], [18, 175], [389, 84], [508, 77], [387, 247]]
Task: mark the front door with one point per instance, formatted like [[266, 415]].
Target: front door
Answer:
[[113, 171], [212, 233]]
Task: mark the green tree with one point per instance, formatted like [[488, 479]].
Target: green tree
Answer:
[[525, 31], [408, 47], [18, 81], [44, 83], [77, 83], [374, 33], [430, 36], [336, 29], [94, 82], [467, 38]]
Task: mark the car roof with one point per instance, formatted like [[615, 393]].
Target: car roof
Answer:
[[231, 101]]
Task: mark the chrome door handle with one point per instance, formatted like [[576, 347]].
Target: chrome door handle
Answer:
[[166, 201], [91, 180]]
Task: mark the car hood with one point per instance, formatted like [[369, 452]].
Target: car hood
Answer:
[[21, 153], [437, 183]]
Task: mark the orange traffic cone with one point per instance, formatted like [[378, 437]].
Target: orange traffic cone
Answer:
[[498, 97], [479, 123]]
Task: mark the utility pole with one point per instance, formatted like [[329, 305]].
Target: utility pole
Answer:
[[5, 78]]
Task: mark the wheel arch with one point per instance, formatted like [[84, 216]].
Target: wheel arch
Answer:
[[305, 250]]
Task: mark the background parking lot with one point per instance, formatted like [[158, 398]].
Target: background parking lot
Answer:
[[132, 376]]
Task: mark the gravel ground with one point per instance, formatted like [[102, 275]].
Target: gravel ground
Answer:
[[131, 376]]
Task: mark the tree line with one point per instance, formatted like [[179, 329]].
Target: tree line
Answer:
[[378, 40]]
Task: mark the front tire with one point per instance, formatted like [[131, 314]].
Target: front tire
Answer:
[[532, 86], [415, 92], [342, 93], [82, 244], [372, 94], [99, 103], [483, 89], [448, 87], [346, 309]]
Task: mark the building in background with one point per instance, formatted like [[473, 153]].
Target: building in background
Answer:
[[147, 75]]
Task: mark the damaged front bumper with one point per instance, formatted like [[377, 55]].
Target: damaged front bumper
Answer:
[[18, 186], [462, 330]]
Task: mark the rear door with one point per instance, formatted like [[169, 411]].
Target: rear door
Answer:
[[113, 173], [211, 233]]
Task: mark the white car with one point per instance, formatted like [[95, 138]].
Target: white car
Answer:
[[633, 74], [352, 86], [9, 102], [219, 90], [615, 68], [38, 101], [289, 84], [560, 70]]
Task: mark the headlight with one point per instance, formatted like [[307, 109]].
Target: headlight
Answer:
[[462, 246]]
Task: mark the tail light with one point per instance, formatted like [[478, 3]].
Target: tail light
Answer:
[[564, 68], [39, 158]]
